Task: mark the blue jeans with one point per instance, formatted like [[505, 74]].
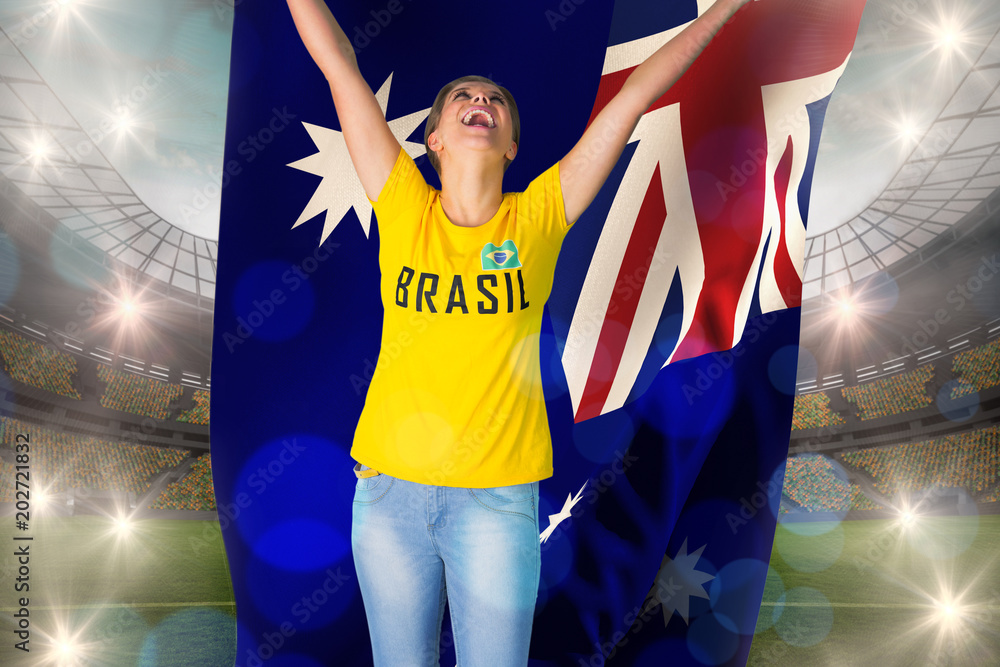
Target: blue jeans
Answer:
[[416, 546]]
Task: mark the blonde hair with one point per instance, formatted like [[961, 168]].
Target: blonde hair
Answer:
[[435, 115]]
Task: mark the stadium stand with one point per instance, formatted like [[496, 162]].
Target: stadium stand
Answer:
[[61, 461], [967, 460], [199, 413], [7, 482], [977, 369], [34, 364], [193, 492], [891, 395], [859, 501], [133, 393], [813, 483], [813, 411]]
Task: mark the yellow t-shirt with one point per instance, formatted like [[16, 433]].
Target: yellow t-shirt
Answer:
[[456, 396]]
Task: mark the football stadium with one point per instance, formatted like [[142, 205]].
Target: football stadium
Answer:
[[888, 524]]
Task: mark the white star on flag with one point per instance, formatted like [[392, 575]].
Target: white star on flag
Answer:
[[677, 582], [564, 513], [340, 189]]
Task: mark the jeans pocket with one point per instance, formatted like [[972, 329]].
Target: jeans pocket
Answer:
[[369, 490], [514, 499]]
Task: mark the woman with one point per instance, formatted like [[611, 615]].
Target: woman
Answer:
[[453, 438]]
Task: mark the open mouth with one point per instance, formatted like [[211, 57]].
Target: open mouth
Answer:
[[479, 118]]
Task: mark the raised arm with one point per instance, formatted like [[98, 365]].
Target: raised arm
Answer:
[[371, 144], [585, 168]]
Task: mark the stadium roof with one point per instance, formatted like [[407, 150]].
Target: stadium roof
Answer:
[[952, 168], [49, 157]]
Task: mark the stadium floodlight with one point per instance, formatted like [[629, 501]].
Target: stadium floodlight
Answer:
[[39, 151], [64, 652], [64, 645], [907, 518], [123, 121], [948, 613], [845, 309], [907, 130], [125, 317], [128, 307], [65, 648], [123, 526], [947, 36]]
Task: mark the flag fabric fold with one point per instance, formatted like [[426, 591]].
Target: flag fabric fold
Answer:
[[713, 194], [669, 348]]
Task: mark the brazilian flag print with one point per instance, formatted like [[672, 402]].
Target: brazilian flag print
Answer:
[[504, 257]]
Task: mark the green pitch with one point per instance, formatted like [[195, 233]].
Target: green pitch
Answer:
[[157, 595], [878, 593], [855, 593]]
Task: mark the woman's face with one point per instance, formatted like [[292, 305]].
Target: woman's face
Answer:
[[475, 117]]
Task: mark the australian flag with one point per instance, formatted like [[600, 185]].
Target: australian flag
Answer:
[[668, 352]]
